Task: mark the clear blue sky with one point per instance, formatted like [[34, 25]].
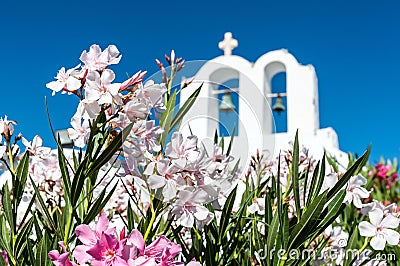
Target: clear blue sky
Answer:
[[354, 46]]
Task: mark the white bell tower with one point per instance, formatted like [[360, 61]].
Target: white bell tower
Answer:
[[255, 118]]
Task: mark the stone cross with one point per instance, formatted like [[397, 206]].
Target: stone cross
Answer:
[[228, 44]]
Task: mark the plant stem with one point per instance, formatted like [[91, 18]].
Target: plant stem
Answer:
[[152, 219], [68, 228], [10, 157], [366, 242], [283, 259]]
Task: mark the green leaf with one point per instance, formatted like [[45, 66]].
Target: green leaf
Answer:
[[226, 214], [5, 232], [21, 177], [99, 204], [333, 208], [166, 118], [333, 162], [23, 233], [5, 246], [352, 245], [314, 182], [285, 227], [268, 209], [110, 150], [186, 107], [307, 223], [41, 252], [78, 182], [295, 175], [278, 189], [221, 143], [2, 261], [132, 217], [321, 177], [8, 208], [43, 207], [333, 212], [64, 173], [228, 151], [30, 251], [272, 233], [306, 184]]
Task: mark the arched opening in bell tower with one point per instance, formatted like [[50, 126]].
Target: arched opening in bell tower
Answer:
[[275, 82], [225, 86], [228, 117]]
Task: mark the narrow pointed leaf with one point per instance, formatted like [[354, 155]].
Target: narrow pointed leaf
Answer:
[[295, 175], [186, 107], [307, 224], [43, 206], [8, 208], [228, 151]]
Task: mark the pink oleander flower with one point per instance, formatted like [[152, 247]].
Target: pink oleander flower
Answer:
[[102, 247], [382, 170], [96, 59], [61, 259], [163, 251], [108, 250], [135, 79], [4, 255], [385, 174], [89, 237]]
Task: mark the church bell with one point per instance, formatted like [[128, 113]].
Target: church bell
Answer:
[[226, 103], [278, 106]]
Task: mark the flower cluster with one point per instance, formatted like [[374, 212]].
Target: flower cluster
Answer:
[[127, 102], [103, 246], [189, 178], [385, 173], [185, 173], [385, 181]]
